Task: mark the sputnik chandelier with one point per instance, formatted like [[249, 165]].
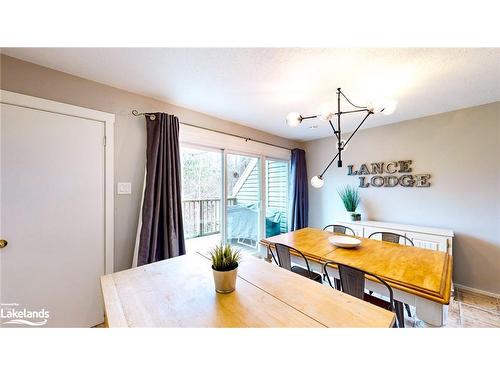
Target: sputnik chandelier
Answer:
[[381, 106]]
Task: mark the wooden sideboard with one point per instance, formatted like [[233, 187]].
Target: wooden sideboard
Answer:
[[424, 237]]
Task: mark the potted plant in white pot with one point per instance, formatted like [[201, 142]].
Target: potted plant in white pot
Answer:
[[350, 197], [225, 268]]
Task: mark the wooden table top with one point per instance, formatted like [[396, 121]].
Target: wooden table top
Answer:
[[179, 292], [418, 271]]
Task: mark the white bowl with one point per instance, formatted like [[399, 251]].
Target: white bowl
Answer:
[[344, 241]]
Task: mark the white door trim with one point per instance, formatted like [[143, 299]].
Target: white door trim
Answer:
[[108, 119]]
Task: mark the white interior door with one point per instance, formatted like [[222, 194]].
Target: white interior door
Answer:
[[53, 202]]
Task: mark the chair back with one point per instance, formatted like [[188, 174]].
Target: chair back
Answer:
[[340, 229], [353, 280], [283, 257], [392, 237]]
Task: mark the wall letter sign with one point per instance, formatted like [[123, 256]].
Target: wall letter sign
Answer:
[[397, 173]]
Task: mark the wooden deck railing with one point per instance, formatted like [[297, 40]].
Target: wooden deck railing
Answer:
[[202, 216]]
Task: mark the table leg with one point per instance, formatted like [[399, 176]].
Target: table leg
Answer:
[[400, 313], [430, 312]]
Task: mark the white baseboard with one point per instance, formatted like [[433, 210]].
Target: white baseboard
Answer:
[[477, 291]]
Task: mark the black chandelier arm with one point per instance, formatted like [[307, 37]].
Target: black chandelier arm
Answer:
[[329, 164], [307, 117], [336, 113], [355, 111], [335, 131], [354, 132], [345, 144], [351, 103]]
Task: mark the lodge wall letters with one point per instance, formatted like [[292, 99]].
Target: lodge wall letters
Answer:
[[388, 174]]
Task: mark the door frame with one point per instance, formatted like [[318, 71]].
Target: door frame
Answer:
[[108, 120]]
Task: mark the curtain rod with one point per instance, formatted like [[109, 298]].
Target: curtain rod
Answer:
[[152, 117]]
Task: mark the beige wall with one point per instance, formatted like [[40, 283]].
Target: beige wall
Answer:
[[130, 135], [461, 150]]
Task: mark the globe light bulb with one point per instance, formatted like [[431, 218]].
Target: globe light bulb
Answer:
[[389, 106], [326, 115], [317, 182], [385, 106], [376, 106], [293, 119]]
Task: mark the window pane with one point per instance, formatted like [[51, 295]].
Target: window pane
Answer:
[[201, 198], [243, 202], [276, 197]]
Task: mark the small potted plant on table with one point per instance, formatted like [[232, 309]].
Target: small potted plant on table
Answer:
[[350, 198], [225, 268]]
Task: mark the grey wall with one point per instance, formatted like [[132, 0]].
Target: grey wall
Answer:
[[130, 134], [461, 150]]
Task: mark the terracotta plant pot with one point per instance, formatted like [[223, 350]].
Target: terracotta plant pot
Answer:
[[225, 281]]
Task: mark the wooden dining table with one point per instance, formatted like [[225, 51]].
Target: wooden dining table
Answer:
[[180, 292], [419, 277]]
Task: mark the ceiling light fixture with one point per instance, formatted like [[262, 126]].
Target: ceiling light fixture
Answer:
[[385, 106]]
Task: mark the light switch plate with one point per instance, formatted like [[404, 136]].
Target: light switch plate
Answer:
[[124, 188]]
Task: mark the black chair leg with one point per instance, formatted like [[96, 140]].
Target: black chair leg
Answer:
[[336, 282], [407, 307], [400, 314]]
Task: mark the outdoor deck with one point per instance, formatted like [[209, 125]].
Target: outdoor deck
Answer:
[[202, 244], [207, 243], [202, 225]]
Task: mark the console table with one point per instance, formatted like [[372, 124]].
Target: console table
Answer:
[[424, 237]]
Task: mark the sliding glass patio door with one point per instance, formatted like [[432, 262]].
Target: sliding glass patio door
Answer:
[[276, 196], [233, 198], [202, 193], [243, 203]]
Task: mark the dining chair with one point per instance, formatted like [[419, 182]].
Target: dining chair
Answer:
[[394, 238], [283, 259], [352, 282], [340, 229], [391, 237]]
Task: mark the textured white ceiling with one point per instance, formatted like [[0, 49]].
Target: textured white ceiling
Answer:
[[259, 87]]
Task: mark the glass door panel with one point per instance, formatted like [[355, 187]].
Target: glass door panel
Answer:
[[201, 198], [243, 202], [276, 197]]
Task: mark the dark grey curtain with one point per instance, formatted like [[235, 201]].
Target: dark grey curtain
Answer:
[[162, 233], [299, 202]]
